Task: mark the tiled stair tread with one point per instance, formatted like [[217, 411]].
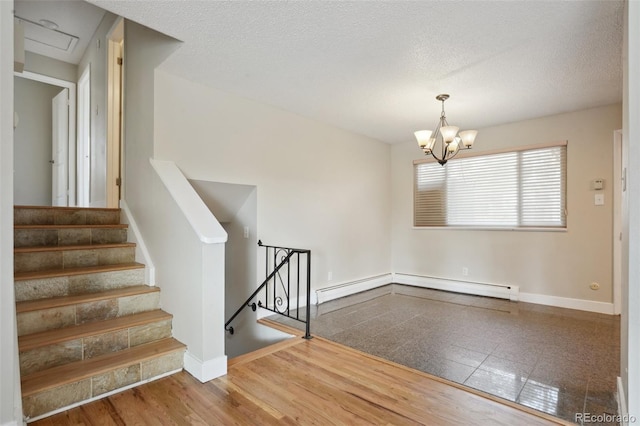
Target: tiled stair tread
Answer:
[[67, 248], [55, 302], [81, 226], [79, 370], [20, 276], [50, 337], [107, 209]]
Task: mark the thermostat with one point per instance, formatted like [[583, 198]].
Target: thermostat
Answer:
[[598, 183]]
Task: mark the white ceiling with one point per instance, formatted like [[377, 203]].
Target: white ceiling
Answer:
[[76, 18], [375, 67]]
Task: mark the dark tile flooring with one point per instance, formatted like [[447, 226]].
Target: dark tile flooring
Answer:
[[559, 361]]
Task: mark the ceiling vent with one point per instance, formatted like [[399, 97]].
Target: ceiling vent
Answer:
[[42, 40]]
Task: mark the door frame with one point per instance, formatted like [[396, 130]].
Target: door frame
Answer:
[[115, 115], [617, 221], [71, 148], [84, 138]]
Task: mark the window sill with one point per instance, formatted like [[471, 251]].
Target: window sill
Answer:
[[488, 228]]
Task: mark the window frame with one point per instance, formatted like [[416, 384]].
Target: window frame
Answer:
[[468, 154]]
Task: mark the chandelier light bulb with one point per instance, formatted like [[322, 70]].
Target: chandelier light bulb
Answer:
[[423, 137], [454, 145], [468, 137], [449, 133]]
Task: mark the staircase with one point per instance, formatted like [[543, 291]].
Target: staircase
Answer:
[[88, 326]]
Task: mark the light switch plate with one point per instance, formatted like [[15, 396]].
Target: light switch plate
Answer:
[[599, 200]]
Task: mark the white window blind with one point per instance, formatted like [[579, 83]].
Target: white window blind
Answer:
[[524, 188]]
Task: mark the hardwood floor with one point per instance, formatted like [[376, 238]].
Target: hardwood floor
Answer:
[[303, 382]]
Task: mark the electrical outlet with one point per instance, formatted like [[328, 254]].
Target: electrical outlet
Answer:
[[594, 286], [465, 271], [329, 276], [246, 232]]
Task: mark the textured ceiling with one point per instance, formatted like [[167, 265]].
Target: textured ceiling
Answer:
[[375, 67], [76, 18]]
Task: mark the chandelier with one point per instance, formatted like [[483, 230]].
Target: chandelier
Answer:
[[450, 141]]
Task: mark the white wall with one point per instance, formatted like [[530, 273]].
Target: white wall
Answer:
[[561, 264], [96, 57], [240, 281], [10, 402], [319, 187], [52, 67], [181, 260], [32, 142]]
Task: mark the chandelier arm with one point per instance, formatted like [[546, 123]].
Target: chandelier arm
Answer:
[[456, 153], [443, 123]]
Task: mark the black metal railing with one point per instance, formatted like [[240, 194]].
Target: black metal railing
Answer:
[[287, 285]]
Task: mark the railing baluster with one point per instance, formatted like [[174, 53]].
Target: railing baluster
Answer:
[[288, 288], [298, 287], [307, 334], [276, 276]]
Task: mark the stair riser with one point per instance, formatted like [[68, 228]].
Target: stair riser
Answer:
[[46, 260], [42, 216], [89, 347], [65, 316], [68, 237], [77, 284], [86, 348], [101, 384]]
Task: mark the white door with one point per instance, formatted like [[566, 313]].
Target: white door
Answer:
[[60, 141]]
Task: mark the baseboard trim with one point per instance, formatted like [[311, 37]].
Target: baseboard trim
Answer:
[[263, 313], [622, 403], [565, 302], [205, 370], [467, 287], [141, 249], [502, 291], [352, 287]]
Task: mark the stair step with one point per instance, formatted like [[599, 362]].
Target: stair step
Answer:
[[28, 259], [48, 349], [86, 280], [68, 373], [39, 249], [46, 215], [68, 235], [68, 384], [56, 302], [76, 271], [48, 314], [35, 340]]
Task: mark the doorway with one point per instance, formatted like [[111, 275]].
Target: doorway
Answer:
[[55, 140]]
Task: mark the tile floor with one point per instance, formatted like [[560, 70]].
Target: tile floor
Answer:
[[559, 361]]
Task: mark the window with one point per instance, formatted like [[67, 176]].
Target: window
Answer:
[[515, 189]]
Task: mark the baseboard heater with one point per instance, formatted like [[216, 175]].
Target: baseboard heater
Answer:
[[501, 291], [352, 287]]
